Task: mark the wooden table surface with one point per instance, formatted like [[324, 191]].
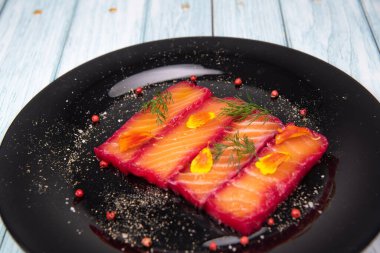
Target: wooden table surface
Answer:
[[41, 40]]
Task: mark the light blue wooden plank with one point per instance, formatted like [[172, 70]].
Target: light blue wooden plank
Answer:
[[30, 48], [2, 232], [337, 32], [253, 19], [9, 245], [2, 4], [177, 18], [374, 247], [102, 26], [372, 12], [2, 227]]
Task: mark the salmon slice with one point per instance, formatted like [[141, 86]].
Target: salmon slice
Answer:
[[246, 201], [143, 126], [165, 157], [196, 187]]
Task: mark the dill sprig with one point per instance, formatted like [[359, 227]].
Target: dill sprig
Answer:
[[159, 106], [241, 111], [241, 147]]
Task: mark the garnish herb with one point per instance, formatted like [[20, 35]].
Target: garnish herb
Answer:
[[159, 106], [241, 111], [241, 146]]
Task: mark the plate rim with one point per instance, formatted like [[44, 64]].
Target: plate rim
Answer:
[[7, 220]]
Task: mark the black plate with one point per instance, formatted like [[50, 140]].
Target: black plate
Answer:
[[47, 154]]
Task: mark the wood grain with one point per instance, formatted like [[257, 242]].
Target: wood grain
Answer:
[[100, 27], [253, 19], [344, 40], [177, 18], [2, 5], [30, 49], [2, 232], [2, 227], [372, 12]]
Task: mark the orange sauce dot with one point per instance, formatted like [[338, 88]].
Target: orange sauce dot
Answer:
[[199, 119], [203, 162], [268, 164]]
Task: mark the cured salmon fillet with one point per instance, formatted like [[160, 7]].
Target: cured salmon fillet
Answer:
[[143, 126], [171, 151], [246, 201], [197, 187]]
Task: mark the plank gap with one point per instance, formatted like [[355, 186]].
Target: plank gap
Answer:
[[212, 18], [65, 39], [147, 12], [3, 236], [251, 19], [366, 16], [3, 6], [287, 39]]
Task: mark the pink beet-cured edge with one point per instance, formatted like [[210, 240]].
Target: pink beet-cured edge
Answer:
[[111, 159], [152, 177], [274, 198], [101, 152], [186, 193]]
